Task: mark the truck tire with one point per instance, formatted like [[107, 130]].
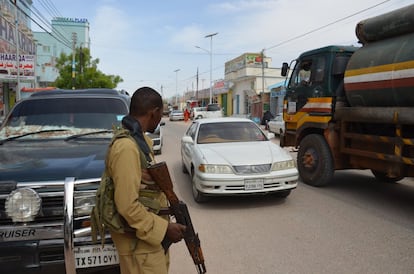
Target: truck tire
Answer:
[[315, 163], [383, 177]]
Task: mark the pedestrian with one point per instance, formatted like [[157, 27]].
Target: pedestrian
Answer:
[[267, 116], [186, 114], [140, 251]]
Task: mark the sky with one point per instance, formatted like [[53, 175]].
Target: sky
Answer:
[[146, 42]]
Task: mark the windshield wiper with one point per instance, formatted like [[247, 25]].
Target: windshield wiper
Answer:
[[30, 133], [88, 133]]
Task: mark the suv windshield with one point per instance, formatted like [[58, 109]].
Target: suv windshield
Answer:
[[77, 115]]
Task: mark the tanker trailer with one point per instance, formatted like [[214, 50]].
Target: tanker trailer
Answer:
[[353, 107]]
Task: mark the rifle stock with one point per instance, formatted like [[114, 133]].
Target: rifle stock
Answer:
[[159, 172]]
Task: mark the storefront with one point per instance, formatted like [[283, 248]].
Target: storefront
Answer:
[[17, 54]]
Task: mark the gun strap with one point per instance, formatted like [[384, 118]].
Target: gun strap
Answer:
[[135, 128]]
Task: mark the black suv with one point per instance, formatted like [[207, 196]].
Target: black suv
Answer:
[[52, 153]]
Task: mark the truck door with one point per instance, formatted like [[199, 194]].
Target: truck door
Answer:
[[307, 81]]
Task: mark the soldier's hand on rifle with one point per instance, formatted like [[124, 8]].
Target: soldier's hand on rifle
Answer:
[[175, 232], [146, 177]]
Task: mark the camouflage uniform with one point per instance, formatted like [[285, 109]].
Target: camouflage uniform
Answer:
[[140, 252]]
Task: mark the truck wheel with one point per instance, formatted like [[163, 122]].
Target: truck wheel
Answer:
[[314, 160], [383, 177]]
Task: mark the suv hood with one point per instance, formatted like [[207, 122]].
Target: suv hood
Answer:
[[29, 161]]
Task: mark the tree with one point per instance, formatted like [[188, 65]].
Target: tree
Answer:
[[87, 74]]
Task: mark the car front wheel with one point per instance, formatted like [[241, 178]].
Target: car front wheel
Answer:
[[197, 195], [183, 168], [283, 193]]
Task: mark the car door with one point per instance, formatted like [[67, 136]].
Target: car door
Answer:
[[280, 127], [188, 148]]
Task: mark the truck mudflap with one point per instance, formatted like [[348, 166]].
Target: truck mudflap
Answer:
[[82, 256]]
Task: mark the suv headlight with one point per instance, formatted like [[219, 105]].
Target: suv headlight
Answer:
[[83, 203], [23, 205]]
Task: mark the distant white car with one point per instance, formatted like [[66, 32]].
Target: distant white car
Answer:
[[277, 124], [156, 138], [198, 112], [210, 111], [233, 156], [176, 115]]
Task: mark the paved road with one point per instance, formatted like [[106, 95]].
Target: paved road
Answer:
[[356, 225]]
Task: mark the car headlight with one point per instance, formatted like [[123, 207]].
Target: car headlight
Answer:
[[283, 165], [23, 205], [83, 203], [217, 169]]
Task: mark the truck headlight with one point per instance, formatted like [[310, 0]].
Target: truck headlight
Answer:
[[84, 202], [23, 205]]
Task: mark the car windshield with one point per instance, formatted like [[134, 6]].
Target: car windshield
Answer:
[[227, 132], [77, 115]]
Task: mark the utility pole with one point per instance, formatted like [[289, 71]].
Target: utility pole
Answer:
[[263, 81], [74, 38], [17, 51], [176, 86], [197, 86], [211, 63]]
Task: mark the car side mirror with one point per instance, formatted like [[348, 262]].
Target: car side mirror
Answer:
[[285, 68], [162, 123], [187, 139]]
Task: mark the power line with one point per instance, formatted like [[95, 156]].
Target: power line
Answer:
[[34, 21], [45, 21], [51, 8], [327, 25], [320, 28]]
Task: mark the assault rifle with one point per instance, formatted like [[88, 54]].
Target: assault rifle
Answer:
[[159, 172]]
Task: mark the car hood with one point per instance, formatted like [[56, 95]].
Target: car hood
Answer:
[[30, 161], [242, 153]]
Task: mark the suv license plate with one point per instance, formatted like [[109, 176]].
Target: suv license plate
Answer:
[[253, 184], [95, 255]]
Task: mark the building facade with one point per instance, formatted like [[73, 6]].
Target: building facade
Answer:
[[249, 76], [67, 34], [17, 52]]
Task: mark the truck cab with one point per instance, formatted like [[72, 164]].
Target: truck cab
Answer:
[[316, 82]]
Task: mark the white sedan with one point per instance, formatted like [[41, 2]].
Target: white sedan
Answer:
[[277, 124], [233, 156]]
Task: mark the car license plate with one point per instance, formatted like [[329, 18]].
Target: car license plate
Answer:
[[95, 255], [253, 184]]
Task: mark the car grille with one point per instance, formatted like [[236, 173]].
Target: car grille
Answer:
[[156, 142], [252, 169]]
